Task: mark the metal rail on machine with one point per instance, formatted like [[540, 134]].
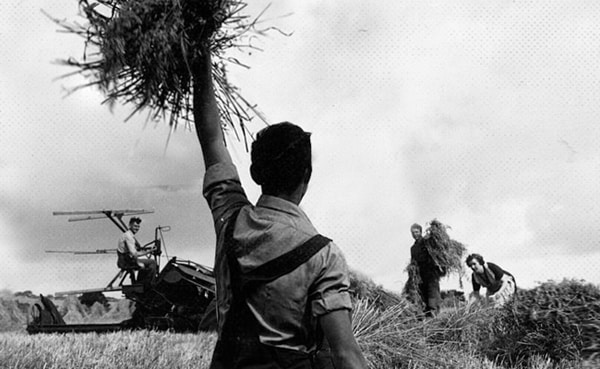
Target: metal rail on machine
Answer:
[[98, 251], [91, 290], [180, 298], [115, 216]]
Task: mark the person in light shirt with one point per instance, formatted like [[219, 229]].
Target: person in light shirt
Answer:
[[131, 256]]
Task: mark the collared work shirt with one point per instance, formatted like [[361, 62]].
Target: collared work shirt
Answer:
[[287, 308], [127, 244]]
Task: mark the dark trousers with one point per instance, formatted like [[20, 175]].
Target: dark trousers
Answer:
[[429, 290], [147, 274], [248, 353]]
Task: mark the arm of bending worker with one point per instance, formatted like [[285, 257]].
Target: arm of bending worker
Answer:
[[337, 327], [206, 113]]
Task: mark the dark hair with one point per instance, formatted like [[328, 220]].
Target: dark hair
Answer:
[[135, 220], [417, 226], [281, 158], [477, 257]]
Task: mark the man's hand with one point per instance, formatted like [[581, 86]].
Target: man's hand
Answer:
[[149, 250]]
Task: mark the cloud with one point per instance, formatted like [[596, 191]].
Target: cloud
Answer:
[[480, 115]]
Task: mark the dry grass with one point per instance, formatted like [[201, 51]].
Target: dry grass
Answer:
[[390, 338], [363, 288], [558, 320], [140, 349], [455, 339], [447, 253], [142, 52], [554, 326], [564, 333]]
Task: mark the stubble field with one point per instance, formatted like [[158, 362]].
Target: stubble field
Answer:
[[553, 326]]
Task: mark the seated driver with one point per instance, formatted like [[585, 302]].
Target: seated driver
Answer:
[[130, 254]]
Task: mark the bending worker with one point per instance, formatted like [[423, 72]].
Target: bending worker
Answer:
[[500, 285]]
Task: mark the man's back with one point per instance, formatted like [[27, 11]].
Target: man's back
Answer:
[[287, 308], [282, 166]]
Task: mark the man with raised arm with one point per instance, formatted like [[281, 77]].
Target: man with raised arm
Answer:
[[281, 287]]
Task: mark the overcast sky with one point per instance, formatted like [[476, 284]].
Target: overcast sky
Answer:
[[483, 115]]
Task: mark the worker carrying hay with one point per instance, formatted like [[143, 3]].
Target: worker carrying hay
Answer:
[[433, 256]]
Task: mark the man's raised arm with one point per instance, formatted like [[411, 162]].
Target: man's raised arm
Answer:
[[206, 113]]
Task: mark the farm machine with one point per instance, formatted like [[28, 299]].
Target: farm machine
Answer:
[[180, 299]]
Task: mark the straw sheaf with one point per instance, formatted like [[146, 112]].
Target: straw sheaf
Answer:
[[142, 53], [446, 252]]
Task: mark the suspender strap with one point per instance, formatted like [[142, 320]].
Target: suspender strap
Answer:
[[279, 266], [239, 345], [287, 262]]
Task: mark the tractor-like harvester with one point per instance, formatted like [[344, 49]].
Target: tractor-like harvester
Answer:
[[181, 297]]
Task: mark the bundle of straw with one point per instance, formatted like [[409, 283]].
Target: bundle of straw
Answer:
[[141, 52], [445, 252], [411, 287], [393, 338]]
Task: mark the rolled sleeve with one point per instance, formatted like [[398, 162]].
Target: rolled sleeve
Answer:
[[223, 191], [333, 284]]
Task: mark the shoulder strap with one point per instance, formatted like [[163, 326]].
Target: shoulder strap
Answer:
[[243, 323], [279, 266], [287, 262]]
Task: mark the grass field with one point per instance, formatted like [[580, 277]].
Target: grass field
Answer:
[[159, 350], [554, 326], [139, 349]]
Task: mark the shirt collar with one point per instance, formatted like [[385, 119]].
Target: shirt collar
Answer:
[[279, 204]]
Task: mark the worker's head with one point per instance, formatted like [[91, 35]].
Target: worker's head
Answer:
[[416, 230], [281, 159], [475, 262], [134, 224]]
